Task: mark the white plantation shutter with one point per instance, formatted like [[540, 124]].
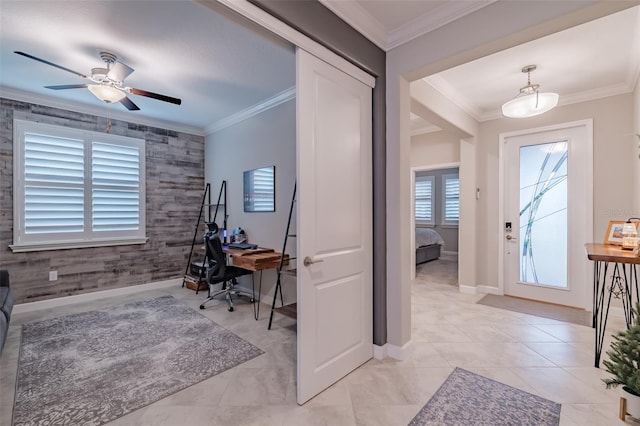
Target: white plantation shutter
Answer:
[[264, 190], [424, 200], [75, 188], [451, 199], [259, 189], [53, 184], [115, 177]]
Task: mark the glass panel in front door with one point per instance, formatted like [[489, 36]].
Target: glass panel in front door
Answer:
[[543, 214]]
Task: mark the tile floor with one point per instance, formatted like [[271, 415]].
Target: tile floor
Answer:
[[545, 357]]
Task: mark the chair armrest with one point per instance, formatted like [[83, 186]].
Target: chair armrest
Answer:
[[4, 278]]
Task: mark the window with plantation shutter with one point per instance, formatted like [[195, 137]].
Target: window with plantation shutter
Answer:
[[74, 188], [115, 178], [259, 190], [451, 199], [53, 184], [424, 200]]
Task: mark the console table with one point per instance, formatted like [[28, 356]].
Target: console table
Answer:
[[623, 284]]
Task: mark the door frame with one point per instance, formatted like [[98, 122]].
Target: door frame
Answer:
[[276, 26], [588, 124], [305, 43], [415, 170]]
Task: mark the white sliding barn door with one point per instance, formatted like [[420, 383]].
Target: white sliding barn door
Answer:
[[334, 235]]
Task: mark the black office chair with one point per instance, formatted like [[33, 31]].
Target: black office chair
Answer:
[[219, 272]]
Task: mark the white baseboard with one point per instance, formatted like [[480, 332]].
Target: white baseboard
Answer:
[[481, 289], [399, 352], [88, 297], [615, 311], [486, 289], [380, 352], [467, 289]]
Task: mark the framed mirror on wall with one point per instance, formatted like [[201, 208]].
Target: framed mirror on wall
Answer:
[[260, 189]]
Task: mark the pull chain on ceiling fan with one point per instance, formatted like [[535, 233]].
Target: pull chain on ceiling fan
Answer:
[[108, 82]]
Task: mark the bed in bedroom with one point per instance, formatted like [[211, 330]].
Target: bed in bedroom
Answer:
[[428, 245]]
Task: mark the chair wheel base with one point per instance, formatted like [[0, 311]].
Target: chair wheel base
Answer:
[[201, 306]]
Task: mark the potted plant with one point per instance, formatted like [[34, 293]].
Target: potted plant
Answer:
[[624, 364]]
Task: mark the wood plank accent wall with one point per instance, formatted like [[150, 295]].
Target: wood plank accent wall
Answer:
[[174, 188]]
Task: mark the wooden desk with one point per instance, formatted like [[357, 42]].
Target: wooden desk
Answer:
[[623, 284], [255, 259]]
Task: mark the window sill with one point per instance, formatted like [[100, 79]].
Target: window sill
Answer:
[[449, 226], [26, 247], [424, 225]]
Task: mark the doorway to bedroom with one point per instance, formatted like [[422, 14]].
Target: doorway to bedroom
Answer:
[[436, 202]]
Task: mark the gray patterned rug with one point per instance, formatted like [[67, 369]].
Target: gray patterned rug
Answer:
[[466, 399], [93, 367]]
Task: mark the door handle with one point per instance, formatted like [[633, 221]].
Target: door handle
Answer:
[[309, 261], [510, 238]]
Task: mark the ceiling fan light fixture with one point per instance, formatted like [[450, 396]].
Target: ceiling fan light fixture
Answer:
[[106, 93], [530, 102]]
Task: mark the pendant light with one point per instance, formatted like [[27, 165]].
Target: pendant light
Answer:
[[530, 101]]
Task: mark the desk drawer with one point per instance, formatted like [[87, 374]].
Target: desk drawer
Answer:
[[260, 261]]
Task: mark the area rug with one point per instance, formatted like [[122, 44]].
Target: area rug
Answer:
[[466, 398], [545, 310], [93, 367]]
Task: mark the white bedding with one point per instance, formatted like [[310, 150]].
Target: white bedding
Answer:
[[427, 237]]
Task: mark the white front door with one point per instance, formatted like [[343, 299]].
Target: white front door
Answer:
[[548, 214], [334, 229]]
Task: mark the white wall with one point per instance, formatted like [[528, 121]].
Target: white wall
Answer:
[[431, 150], [266, 139], [434, 149], [635, 148], [612, 174]]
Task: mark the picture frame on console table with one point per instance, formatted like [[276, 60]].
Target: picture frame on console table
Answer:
[[614, 232]]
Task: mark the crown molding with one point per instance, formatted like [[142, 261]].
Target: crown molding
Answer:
[[436, 18], [430, 128], [267, 104], [574, 98], [599, 93], [366, 24], [360, 20], [439, 84], [454, 95], [634, 68], [49, 101]]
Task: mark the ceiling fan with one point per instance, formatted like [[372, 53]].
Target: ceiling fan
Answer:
[[107, 84]]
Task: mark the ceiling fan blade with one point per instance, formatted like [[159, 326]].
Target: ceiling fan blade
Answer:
[[50, 63], [68, 86], [119, 72], [129, 104], [154, 95]]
